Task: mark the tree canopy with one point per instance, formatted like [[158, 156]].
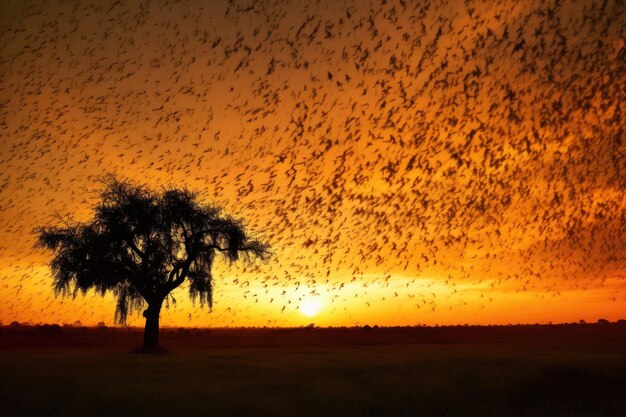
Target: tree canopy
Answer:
[[141, 245]]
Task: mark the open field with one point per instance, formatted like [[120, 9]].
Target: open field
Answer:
[[505, 371]]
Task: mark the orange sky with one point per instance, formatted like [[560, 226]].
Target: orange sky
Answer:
[[455, 164]]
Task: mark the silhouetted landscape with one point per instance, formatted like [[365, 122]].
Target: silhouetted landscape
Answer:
[[524, 370], [17, 336]]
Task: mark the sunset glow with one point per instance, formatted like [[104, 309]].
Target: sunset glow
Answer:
[[458, 163]]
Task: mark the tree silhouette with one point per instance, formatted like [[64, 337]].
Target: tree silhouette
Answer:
[[141, 245]]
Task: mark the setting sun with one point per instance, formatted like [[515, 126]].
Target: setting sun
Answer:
[[310, 307]]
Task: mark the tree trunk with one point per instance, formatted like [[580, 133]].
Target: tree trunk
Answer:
[[151, 332]]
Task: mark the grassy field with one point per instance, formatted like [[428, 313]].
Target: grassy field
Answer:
[[388, 380]]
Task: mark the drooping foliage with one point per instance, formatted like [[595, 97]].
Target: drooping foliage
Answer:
[[141, 245]]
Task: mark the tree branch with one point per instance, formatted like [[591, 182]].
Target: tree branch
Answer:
[[173, 273], [135, 249], [180, 272]]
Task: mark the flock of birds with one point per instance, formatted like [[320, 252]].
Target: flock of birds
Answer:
[[403, 157]]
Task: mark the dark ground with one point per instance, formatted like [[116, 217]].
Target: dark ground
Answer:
[[564, 370]]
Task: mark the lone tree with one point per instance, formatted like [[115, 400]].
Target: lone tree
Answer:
[[141, 245]]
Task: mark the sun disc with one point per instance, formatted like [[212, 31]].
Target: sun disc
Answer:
[[310, 307]]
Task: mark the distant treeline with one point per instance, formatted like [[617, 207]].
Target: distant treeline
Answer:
[[101, 325]]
